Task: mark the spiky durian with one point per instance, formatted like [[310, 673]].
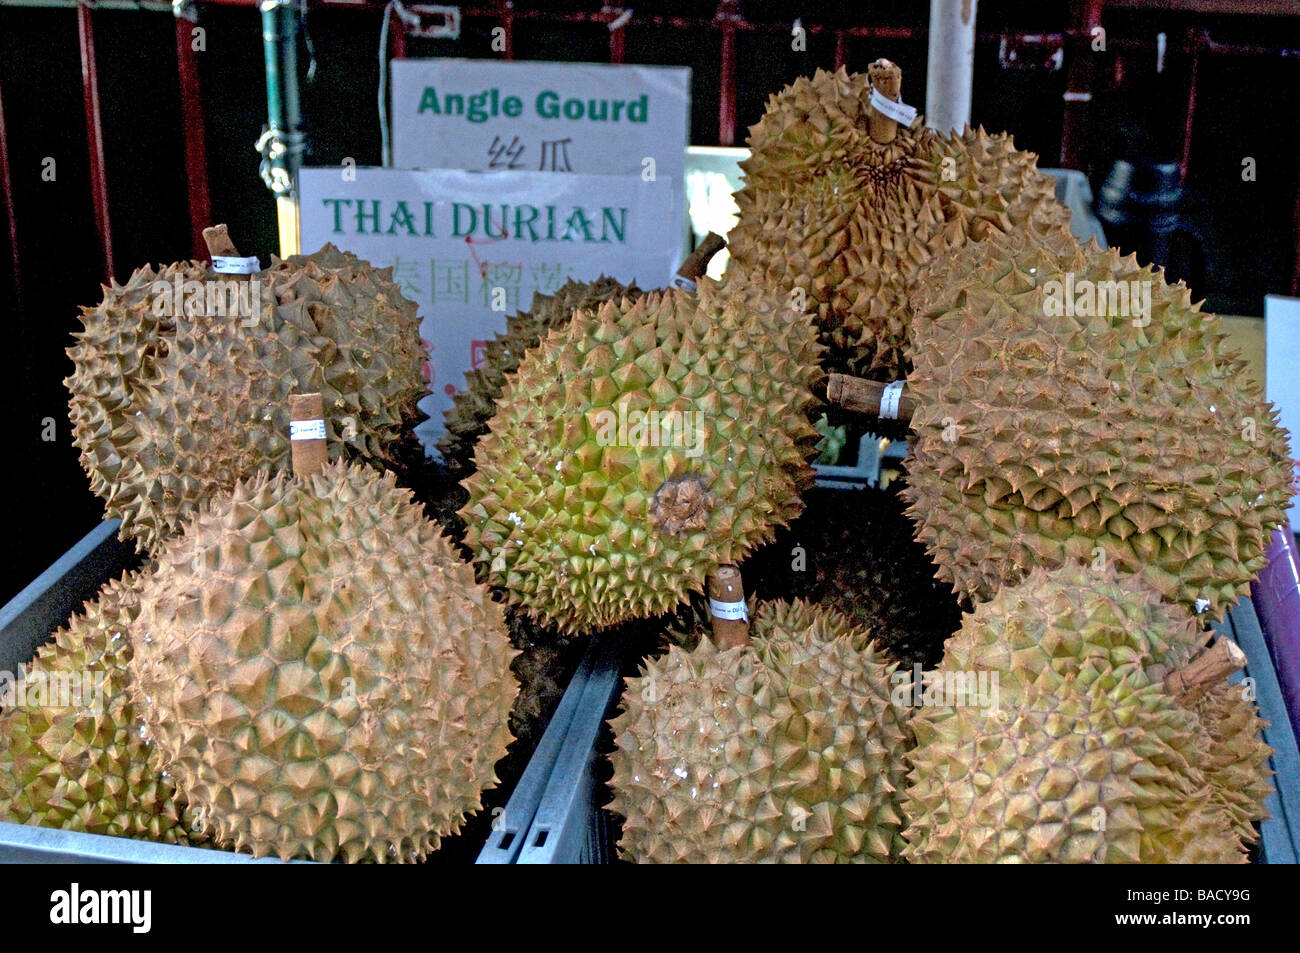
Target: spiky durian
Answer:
[[640, 446], [1051, 430], [319, 672], [850, 220], [854, 552], [1074, 750], [175, 353], [788, 749], [73, 753], [474, 406]]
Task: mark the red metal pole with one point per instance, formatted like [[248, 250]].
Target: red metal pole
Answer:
[[841, 49], [95, 136], [397, 30], [1196, 42], [196, 153], [616, 45], [507, 13], [1085, 16], [727, 81], [7, 187]]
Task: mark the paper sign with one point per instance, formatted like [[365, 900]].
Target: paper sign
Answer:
[[1281, 383], [489, 115], [472, 248]]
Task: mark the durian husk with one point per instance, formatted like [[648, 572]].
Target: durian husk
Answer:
[[320, 673], [1042, 439], [467, 418], [1081, 755], [785, 750], [85, 766], [166, 410], [851, 221], [586, 533]]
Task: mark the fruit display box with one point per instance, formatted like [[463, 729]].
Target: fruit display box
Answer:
[[45, 605], [571, 827]]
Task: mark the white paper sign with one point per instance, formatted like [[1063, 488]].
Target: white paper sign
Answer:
[[1281, 383], [471, 248], [487, 115]]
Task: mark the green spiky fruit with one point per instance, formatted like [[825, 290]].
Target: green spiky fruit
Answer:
[[637, 448], [851, 221], [319, 671], [147, 379], [473, 407], [854, 551], [786, 750], [73, 752], [1044, 437], [1075, 751]]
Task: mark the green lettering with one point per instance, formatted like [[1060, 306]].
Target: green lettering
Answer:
[[608, 224], [429, 101]]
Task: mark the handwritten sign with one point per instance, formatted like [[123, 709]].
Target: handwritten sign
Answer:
[[542, 117], [473, 248]]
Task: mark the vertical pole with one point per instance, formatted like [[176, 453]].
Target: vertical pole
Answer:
[[841, 50], [1194, 40], [196, 162], [279, 44], [727, 83], [508, 24], [7, 194], [398, 28], [1085, 15], [951, 64], [95, 136], [617, 50]]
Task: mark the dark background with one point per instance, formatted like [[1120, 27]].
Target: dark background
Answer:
[[1245, 107]]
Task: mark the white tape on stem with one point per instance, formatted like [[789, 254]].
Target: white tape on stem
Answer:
[[686, 284], [889, 399], [728, 610], [307, 430], [229, 265], [899, 112]]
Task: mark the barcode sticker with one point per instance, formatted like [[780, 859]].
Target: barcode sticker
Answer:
[[899, 112], [889, 399], [306, 430], [728, 610], [229, 265]]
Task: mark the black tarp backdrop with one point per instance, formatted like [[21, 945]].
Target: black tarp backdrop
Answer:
[[1244, 108]]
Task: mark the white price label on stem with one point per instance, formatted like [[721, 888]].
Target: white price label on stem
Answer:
[[899, 112], [307, 429], [728, 610], [889, 399], [229, 265]]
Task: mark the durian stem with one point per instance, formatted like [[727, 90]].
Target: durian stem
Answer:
[[1213, 665], [697, 263], [309, 454], [727, 587], [888, 78], [217, 238], [865, 397]]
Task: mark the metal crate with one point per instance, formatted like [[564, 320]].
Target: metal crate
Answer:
[[570, 828]]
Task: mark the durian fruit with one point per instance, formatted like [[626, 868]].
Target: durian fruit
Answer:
[[474, 406], [786, 750], [1044, 434], [1074, 750], [640, 446], [542, 669], [855, 552], [85, 766], [320, 673], [147, 381], [850, 220]]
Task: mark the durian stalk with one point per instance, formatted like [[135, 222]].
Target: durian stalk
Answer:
[[888, 78], [863, 396], [309, 454], [727, 586], [217, 238], [1210, 667], [694, 267]]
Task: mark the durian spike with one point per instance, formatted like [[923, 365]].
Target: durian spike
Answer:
[[694, 267], [866, 397], [217, 238], [1213, 665], [307, 434], [727, 595], [888, 78]]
